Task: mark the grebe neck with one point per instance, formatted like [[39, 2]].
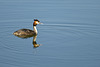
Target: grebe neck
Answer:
[[35, 30]]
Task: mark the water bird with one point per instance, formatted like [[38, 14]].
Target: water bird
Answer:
[[27, 32]]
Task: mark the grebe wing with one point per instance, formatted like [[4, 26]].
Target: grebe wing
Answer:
[[24, 32]]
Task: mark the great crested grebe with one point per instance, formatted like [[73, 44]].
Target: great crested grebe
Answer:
[[28, 32]]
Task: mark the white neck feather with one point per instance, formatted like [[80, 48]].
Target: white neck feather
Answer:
[[35, 30]]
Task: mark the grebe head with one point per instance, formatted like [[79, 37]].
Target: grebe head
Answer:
[[36, 22]]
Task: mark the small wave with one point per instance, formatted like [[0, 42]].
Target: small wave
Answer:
[[78, 29]]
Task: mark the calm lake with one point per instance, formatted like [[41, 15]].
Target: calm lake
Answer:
[[68, 37]]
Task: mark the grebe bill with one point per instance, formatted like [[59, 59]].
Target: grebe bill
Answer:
[[28, 32]]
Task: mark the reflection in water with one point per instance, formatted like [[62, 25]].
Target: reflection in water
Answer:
[[34, 39], [34, 42]]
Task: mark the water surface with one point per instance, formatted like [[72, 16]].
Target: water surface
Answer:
[[69, 37]]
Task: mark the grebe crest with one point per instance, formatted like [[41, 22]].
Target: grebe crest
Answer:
[[28, 32]]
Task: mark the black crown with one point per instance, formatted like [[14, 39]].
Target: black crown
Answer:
[[36, 20]]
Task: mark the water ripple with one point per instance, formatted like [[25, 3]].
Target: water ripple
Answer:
[[83, 29]]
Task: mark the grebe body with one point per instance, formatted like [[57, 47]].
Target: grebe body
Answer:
[[28, 32]]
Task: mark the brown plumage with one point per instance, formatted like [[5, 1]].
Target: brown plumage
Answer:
[[24, 32]]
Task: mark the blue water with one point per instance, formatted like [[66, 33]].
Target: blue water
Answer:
[[69, 37]]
